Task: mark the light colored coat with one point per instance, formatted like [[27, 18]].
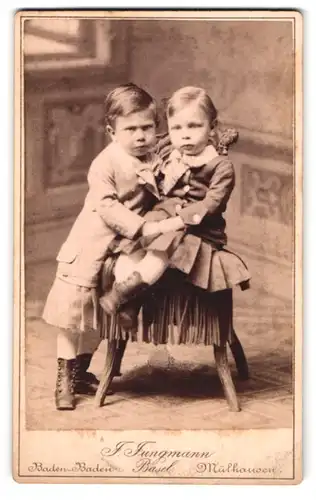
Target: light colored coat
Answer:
[[121, 190]]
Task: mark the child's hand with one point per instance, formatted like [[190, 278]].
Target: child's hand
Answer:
[[150, 229], [181, 192], [171, 224]]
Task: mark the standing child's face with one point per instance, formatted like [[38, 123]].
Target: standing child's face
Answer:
[[189, 129], [136, 133]]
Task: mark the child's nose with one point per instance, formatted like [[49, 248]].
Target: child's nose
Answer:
[[140, 135]]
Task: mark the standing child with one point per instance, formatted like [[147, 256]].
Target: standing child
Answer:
[[122, 188], [195, 243]]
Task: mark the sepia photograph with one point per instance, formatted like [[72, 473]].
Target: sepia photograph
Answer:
[[158, 178]]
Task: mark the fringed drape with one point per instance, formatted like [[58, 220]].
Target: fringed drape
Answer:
[[176, 312]]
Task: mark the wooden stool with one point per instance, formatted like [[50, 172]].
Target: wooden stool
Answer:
[[116, 349]]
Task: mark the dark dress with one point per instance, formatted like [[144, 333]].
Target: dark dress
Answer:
[[198, 250]]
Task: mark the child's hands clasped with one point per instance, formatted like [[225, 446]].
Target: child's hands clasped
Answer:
[[151, 229], [171, 224]]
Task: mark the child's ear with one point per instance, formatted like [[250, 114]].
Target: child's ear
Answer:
[[110, 131], [214, 126]]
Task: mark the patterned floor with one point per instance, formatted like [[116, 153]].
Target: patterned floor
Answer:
[[175, 387]]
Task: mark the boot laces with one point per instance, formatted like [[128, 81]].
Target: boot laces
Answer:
[[72, 371]]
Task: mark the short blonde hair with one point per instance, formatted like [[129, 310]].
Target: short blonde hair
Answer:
[[188, 95]]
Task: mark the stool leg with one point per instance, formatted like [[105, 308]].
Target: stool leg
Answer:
[[119, 358], [239, 357], [224, 373], [107, 374]]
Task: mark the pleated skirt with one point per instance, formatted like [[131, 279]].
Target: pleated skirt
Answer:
[[205, 265], [71, 307]]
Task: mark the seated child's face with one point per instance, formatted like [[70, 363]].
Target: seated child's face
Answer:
[[189, 129], [136, 133]]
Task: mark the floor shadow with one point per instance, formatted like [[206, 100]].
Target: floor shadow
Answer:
[[202, 381], [277, 360], [176, 381]]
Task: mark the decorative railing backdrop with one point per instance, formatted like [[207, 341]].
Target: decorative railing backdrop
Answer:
[[74, 135], [65, 130]]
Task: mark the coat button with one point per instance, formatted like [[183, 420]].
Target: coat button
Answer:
[[186, 188], [178, 208], [196, 218]]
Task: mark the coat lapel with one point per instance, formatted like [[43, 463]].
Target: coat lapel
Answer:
[[178, 165], [174, 169], [146, 177]]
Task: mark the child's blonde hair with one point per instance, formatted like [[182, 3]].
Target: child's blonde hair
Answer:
[[188, 95]]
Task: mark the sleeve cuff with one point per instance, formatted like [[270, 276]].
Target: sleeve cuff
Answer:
[[124, 222], [135, 226], [193, 215]]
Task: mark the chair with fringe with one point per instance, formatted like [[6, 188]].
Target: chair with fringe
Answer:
[[175, 313]]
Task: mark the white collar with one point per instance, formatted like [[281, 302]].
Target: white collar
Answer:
[[207, 155]]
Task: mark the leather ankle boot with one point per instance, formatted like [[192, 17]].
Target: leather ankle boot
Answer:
[[65, 384], [122, 292]]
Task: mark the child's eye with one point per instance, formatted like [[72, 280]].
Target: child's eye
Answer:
[[131, 129], [148, 127], [175, 127], [195, 125]]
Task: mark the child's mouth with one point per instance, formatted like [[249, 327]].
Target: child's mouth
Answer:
[[187, 147]]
